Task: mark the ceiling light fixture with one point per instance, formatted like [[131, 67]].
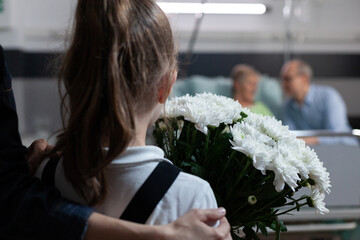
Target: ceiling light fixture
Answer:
[[212, 8], [356, 132]]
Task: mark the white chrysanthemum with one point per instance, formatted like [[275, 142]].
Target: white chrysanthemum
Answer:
[[317, 200], [317, 171], [204, 109], [273, 147], [265, 140]]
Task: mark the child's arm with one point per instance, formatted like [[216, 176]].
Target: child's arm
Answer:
[[192, 225]]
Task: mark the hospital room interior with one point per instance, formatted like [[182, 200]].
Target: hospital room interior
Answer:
[[297, 61]]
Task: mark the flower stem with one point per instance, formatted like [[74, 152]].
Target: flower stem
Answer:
[[226, 167], [273, 201], [237, 210], [264, 180], [242, 174], [206, 146], [296, 200], [192, 145], [276, 199], [291, 209]]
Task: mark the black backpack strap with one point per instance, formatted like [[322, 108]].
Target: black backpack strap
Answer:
[[150, 193], [48, 174]]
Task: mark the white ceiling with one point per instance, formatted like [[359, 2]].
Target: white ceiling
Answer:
[[317, 25]]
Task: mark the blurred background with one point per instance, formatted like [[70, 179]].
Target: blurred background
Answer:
[[324, 33]]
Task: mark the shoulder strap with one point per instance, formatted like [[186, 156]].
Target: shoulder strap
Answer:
[[150, 193], [48, 174]]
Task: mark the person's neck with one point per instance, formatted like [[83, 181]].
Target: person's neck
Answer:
[[300, 98], [242, 101], [141, 126]]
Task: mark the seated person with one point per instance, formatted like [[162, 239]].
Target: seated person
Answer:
[[112, 101], [313, 107], [245, 82]]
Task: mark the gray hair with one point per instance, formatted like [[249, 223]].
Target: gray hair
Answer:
[[304, 69], [241, 71]]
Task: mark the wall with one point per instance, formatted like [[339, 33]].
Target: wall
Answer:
[[38, 107], [37, 25], [318, 25]]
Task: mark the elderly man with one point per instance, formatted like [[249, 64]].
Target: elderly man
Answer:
[[313, 106]]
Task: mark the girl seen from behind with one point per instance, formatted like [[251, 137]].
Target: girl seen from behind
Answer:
[[117, 74]]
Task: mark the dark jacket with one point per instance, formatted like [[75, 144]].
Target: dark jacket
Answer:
[[28, 208]]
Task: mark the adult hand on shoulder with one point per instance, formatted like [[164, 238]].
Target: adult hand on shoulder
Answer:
[[36, 153], [196, 224]]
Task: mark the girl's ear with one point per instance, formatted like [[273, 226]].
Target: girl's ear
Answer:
[[166, 84]]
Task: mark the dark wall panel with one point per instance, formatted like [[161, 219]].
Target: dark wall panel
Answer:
[[30, 65], [23, 64], [324, 65]]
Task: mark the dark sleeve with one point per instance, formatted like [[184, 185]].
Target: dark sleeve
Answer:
[[29, 209]]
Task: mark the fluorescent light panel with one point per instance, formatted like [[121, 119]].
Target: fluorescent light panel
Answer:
[[212, 8], [356, 132]]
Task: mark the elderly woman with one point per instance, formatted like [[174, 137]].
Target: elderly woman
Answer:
[[245, 82]]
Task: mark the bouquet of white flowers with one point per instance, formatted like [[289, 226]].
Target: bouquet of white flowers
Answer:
[[253, 163]]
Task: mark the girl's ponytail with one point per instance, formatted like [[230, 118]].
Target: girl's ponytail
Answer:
[[119, 51]]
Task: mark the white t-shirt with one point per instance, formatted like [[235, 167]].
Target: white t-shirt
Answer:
[[127, 173]]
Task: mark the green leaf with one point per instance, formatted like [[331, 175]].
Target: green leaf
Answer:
[[283, 228], [278, 224], [185, 164], [197, 170], [243, 115], [262, 227]]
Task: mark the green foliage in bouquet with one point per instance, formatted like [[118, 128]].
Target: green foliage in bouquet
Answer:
[[242, 184]]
